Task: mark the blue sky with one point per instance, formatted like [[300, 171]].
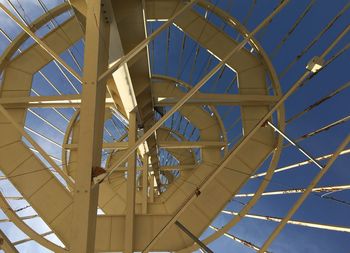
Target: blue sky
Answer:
[[315, 209]]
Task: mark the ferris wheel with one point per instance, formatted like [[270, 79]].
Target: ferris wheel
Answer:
[[174, 126]]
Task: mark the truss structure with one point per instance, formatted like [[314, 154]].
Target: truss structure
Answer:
[[173, 126]]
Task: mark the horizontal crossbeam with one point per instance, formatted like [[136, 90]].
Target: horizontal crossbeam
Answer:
[[219, 99], [46, 101], [162, 144]]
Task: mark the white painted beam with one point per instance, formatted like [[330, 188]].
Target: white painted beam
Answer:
[[294, 222], [236, 239], [63, 101], [190, 144], [300, 164], [294, 191], [162, 144], [219, 99]]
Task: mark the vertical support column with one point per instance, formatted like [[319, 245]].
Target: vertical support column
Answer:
[[144, 184], [151, 187], [131, 187], [91, 133]]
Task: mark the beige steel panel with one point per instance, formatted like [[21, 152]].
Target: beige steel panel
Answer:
[[57, 41], [40, 42], [264, 183], [17, 83], [41, 190], [129, 16], [12, 48], [160, 9], [112, 197], [39, 149], [121, 76], [112, 234]]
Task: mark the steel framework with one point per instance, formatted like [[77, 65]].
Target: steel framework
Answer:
[[158, 125]]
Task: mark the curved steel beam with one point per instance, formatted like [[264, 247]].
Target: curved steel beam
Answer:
[[216, 114], [248, 206], [302, 198], [328, 189], [41, 43], [26, 229], [22, 37], [281, 123], [240, 144], [6, 244], [239, 240], [21, 130]]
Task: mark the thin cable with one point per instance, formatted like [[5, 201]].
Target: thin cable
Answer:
[[264, 30], [318, 102], [314, 41], [320, 130], [295, 25], [212, 164], [325, 128]]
